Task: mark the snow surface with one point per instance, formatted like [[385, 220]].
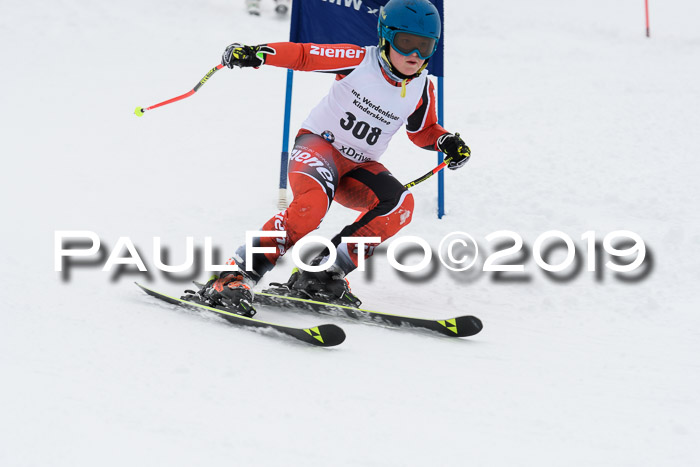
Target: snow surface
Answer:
[[577, 122]]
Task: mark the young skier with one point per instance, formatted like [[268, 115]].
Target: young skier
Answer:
[[336, 153]]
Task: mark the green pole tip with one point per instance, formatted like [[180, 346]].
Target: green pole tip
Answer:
[[139, 112]]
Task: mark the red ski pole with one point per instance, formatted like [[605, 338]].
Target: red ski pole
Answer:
[[429, 174], [646, 9], [140, 110]]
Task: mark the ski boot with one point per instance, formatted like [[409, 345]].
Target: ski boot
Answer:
[[253, 7], [231, 290], [282, 7], [320, 286]]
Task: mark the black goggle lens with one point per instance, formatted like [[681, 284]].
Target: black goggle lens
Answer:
[[407, 43]]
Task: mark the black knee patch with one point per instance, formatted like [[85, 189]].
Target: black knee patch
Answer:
[[385, 187]]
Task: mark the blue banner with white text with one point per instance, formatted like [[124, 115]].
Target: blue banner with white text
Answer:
[[348, 22]]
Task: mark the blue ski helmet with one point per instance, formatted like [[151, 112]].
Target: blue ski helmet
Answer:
[[400, 21]]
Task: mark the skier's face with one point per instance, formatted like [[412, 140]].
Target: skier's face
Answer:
[[408, 65]]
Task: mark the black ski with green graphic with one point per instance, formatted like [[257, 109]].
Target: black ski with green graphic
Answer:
[[461, 326], [325, 335]]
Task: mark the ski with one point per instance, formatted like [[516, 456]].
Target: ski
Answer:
[[324, 335], [461, 326]]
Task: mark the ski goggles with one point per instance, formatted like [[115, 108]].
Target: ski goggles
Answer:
[[406, 44]]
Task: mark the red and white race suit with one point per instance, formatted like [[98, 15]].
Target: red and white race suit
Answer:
[[364, 108]]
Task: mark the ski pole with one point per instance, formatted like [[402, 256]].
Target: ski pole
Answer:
[[646, 10], [140, 110], [429, 174]]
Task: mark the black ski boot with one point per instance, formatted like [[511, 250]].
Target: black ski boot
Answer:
[[319, 286], [232, 291], [282, 7]]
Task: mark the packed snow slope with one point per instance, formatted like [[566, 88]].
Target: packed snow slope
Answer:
[[577, 123]]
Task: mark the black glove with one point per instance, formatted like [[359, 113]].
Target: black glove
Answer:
[[455, 148], [245, 55]]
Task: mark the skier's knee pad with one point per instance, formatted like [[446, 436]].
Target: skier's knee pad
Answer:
[[401, 214]]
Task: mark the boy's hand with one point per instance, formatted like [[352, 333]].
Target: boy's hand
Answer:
[[455, 148], [245, 55]]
